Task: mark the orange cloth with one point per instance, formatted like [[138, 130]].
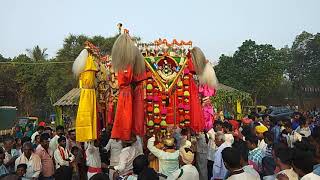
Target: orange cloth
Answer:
[[138, 105], [154, 164], [197, 119], [123, 119], [86, 121]]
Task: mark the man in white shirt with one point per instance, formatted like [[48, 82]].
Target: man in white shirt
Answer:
[[93, 158], [231, 158], [54, 141], [39, 131], [32, 161], [282, 157], [219, 170], [62, 155], [187, 171], [168, 158], [115, 147], [131, 149], [211, 150]]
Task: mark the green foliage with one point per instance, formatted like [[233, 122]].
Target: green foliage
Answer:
[[304, 63], [33, 83], [313, 55], [223, 98], [258, 69], [38, 54], [253, 68], [3, 59], [74, 44]]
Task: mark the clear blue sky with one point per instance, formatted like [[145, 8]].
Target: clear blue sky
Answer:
[[216, 26]]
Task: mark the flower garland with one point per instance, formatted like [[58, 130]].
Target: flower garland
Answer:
[[157, 102]]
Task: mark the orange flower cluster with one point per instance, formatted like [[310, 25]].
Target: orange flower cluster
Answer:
[[174, 42], [96, 52]]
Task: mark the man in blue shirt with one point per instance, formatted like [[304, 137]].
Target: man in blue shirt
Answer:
[[276, 131]]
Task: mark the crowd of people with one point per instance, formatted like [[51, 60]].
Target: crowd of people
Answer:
[[252, 148]]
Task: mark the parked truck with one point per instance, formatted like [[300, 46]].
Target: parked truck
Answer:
[[8, 117]]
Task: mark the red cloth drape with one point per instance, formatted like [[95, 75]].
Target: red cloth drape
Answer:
[[110, 110], [99, 120], [123, 119], [138, 126], [196, 119], [171, 111]]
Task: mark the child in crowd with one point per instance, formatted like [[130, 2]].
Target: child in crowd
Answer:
[[21, 170]]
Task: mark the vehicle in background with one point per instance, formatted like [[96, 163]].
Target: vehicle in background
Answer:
[[8, 117], [23, 121], [250, 109], [279, 113]]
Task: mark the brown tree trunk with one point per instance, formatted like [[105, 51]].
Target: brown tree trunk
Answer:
[[255, 96], [300, 98]]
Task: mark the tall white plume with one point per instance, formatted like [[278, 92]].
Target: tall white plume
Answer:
[[209, 76], [80, 62]]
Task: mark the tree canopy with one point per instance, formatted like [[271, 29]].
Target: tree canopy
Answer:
[[37, 54], [266, 72], [253, 68], [33, 83]]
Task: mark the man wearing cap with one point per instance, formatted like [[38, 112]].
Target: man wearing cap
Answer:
[[245, 129], [168, 158], [259, 133], [187, 171]]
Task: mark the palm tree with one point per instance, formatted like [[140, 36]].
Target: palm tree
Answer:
[[38, 54]]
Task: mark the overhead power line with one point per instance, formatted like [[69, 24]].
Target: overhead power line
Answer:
[[35, 63]]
